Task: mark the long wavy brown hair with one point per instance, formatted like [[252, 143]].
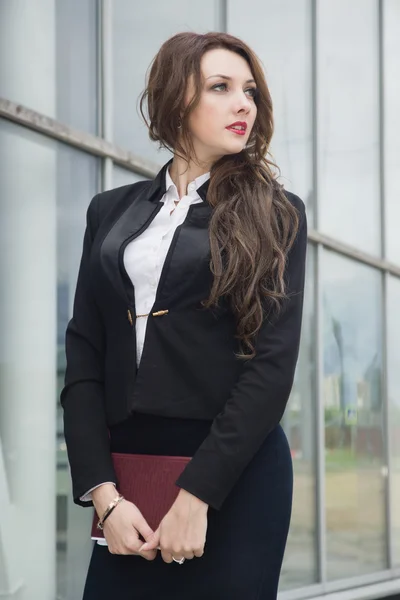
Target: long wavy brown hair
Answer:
[[253, 224]]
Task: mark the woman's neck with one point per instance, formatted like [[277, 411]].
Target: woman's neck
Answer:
[[182, 174]]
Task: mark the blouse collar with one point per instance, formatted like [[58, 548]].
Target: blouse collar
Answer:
[[193, 186]]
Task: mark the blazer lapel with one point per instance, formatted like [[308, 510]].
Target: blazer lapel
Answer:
[[130, 224], [187, 253]]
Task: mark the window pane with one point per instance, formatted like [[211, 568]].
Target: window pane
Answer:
[[391, 72], [353, 418], [348, 118], [134, 49], [125, 177], [394, 408], [48, 72], [299, 567], [76, 64], [77, 177], [27, 356], [42, 215], [263, 25]]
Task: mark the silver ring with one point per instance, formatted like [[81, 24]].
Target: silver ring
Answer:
[[180, 561]]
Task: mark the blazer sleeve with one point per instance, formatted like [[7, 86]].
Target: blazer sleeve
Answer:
[[258, 399], [82, 397]]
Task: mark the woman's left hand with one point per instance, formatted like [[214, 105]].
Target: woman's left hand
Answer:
[[182, 532]]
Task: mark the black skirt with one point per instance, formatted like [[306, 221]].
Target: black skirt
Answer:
[[245, 539]]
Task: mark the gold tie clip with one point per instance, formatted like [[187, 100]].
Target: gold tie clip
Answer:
[[158, 313]]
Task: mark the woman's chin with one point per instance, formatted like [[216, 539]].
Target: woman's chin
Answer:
[[234, 147], [229, 148]]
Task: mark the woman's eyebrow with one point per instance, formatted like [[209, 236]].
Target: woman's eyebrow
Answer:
[[229, 78]]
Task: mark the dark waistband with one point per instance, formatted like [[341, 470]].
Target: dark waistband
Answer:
[[152, 434]]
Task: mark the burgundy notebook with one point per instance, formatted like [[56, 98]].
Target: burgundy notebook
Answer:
[[147, 481]]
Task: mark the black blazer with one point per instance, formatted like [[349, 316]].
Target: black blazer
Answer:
[[188, 368]]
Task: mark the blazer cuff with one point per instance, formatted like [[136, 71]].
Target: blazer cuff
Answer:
[[206, 492], [88, 496]]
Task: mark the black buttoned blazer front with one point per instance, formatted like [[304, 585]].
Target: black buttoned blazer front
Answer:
[[188, 367]]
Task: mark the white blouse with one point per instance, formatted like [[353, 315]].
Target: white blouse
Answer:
[[145, 255]]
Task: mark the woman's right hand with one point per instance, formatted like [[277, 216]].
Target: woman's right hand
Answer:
[[123, 526]]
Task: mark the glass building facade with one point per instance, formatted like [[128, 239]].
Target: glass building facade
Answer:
[[70, 76]]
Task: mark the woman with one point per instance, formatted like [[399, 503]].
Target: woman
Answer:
[[196, 278]]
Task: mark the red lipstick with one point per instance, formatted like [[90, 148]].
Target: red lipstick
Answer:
[[238, 127]]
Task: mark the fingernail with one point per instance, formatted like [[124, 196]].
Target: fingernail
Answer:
[[144, 547]]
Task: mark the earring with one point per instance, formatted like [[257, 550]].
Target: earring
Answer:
[[179, 123]]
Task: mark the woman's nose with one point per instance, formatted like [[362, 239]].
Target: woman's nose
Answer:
[[243, 103]]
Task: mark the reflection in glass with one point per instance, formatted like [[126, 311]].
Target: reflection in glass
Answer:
[[391, 40], [393, 359], [353, 418], [77, 176], [288, 73], [299, 567], [134, 48], [348, 120]]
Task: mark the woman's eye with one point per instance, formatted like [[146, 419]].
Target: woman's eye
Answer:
[[252, 91], [223, 86], [219, 85]]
